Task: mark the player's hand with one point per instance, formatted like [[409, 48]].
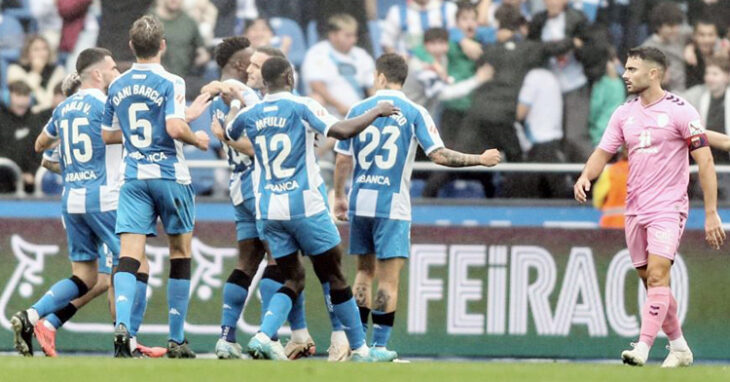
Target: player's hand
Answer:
[[203, 140], [714, 234], [582, 186], [341, 206], [196, 108], [690, 57], [472, 49], [386, 109], [490, 158]]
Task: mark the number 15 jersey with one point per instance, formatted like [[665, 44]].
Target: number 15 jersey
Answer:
[[383, 155], [282, 128], [140, 102]]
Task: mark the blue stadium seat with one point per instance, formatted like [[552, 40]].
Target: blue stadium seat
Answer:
[[462, 189], [588, 7], [312, 34], [12, 34], [23, 14], [417, 186], [51, 183], [384, 7], [287, 27], [374, 30]]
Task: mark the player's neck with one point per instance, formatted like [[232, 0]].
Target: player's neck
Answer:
[[395, 87], [231, 75], [153, 60], [86, 86], [651, 95], [278, 90]]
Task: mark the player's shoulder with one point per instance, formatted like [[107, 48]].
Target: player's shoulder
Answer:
[[120, 80], [678, 103], [96, 96], [167, 76]]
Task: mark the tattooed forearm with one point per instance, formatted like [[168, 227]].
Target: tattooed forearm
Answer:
[[451, 158]]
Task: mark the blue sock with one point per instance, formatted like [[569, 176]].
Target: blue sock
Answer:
[[268, 288], [178, 296], [276, 314], [138, 308], [60, 294], [297, 319], [345, 307], [125, 289], [382, 327], [336, 324], [54, 320], [234, 296]]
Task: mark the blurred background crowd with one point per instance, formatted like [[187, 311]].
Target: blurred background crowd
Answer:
[[537, 79]]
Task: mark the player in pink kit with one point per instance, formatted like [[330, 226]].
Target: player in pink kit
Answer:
[[659, 129]]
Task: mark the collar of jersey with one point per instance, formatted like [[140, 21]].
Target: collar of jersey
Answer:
[[91, 91], [277, 96], [390, 92], [139, 66]]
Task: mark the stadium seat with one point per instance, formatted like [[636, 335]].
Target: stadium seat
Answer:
[[417, 186], [462, 189], [374, 30], [384, 7], [287, 27], [12, 34], [23, 14], [588, 7], [312, 34], [50, 183]]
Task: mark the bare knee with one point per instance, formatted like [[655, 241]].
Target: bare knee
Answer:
[[657, 277], [384, 297], [180, 246], [366, 266]]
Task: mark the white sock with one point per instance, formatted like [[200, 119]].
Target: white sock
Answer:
[[680, 344], [643, 350], [132, 343], [338, 337], [300, 335], [32, 316], [48, 325]]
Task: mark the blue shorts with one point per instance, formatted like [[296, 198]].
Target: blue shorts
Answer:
[[312, 235], [387, 238], [246, 220], [91, 237], [141, 202]]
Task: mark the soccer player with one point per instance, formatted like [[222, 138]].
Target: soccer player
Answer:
[[89, 202], [146, 110], [379, 206], [291, 199], [660, 130]]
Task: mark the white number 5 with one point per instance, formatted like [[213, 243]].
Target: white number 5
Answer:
[[135, 124]]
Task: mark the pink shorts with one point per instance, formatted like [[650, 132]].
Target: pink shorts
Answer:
[[658, 234]]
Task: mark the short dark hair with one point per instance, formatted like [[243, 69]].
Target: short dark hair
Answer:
[[19, 87], [436, 34], [271, 51], [146, 35], [228, 47], [393, 66], [247, 24], [706, 22], [651, 54], [721, 62], [666, 13], [465, 6], [274, 70], [89, 57], [340, 21], [509, 17]]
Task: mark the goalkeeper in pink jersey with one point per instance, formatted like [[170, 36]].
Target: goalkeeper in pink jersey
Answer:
[[659, 130]]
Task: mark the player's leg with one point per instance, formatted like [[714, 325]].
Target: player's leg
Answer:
[[178, 294], [363, 245]]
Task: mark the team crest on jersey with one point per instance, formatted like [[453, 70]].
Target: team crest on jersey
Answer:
[[662, 120], [695, 127]]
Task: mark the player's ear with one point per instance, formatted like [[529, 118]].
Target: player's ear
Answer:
[[163, 47], [131, 47], [290, 78]]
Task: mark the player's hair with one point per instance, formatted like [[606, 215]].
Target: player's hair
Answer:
[[666, 13], [19, 87], [465, 6], [704, 21], [393, 67], [70, 84], [271, 51], [340, 21], [228, 47], [89, 57], [146, 35], [275, 70], [247, 24], [721, 62], [509, 17], [436, 34], [650, 54]]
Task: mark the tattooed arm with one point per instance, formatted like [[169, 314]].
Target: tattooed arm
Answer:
[[450, 158]]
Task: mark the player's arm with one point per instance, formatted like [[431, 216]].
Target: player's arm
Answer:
[[718, 140], [44, 142], [452, 158], [708, 181], [591, 171], [350, 127], [111, 133], [320, 88], [197, 107], [51, 166], [111, 137], [176, 115], [343, 170], [179, 130]]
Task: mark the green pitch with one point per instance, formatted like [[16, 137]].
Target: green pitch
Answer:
[[79, 369]]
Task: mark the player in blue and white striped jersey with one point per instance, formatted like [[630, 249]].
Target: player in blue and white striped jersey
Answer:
[[89, 201], [146, 110], [291, 199], [379, 204]]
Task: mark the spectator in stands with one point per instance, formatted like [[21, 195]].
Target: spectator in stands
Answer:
[[609, 192], [18, 128], [205, 13], [670, 38], [38, 69], [540, 111], [80, 28], [290, 9], [362, 10], [116, 17], [712, 100], [338, 73], [607, 94], [48, 20], [705, 43], [558, 22], [404, 26], [716, 12], [260, 33], [186, 54], [225, 24], [490, 7]]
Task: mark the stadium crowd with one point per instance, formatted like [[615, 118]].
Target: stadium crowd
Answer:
[[537, 79]]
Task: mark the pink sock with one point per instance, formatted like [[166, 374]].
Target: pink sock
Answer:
[[654, 313], [671, 326]]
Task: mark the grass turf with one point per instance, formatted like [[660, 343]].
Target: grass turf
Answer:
[[79, 369]]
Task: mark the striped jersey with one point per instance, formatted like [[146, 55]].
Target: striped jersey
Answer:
[[140, 102], [89, 167], [383, 155], [287, 179], [240, 185]]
